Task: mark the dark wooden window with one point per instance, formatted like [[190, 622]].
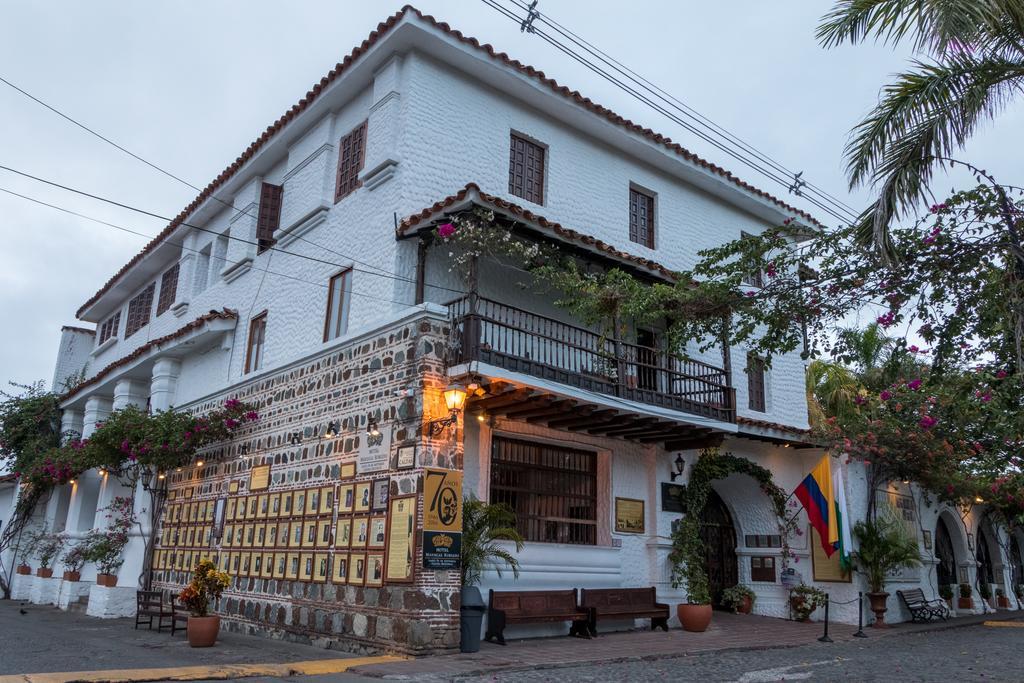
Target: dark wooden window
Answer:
[[763, 541], [269, 217], [756, 277], [168, 289], [351, 155], [641, 218], [762, 569], [254, 350], [526, 169], [553, 490], [755, 383], [109, 327], [338, 294], [139, 310]]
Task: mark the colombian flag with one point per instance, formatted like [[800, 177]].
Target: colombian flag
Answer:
[[818, 498]]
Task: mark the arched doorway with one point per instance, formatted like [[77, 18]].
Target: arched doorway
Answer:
[[946, 569], [1017, 560], [984, 557], [719, 537]]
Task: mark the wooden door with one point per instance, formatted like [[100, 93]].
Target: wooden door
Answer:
[[719, 539], [946, 569]]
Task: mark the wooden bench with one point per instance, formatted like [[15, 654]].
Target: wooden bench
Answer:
[[534, 607], [623, 603], [921, 608]]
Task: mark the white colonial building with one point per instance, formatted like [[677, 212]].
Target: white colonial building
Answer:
[[305, 278]]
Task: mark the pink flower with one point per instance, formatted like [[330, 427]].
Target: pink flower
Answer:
[[1001, 374], [927, 422], [885, 395], [446, 230], [232, 403], [887, 320], [913, 348], [914, 384], [770, 270], [252, 415], [749, 293], [230, 424]]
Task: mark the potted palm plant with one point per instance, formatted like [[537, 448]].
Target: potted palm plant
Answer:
[[740, 598], [884, 546], [207, 585], [965, 600], [483, 525]]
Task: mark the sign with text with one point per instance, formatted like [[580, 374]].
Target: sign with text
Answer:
[[259, 478], [441, 550], [374, 452], [442, 500]]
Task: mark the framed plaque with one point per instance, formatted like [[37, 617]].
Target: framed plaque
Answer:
[[629, 515], [405, 458]]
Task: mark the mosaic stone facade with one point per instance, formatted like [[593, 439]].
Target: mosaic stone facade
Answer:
[[391, 379]]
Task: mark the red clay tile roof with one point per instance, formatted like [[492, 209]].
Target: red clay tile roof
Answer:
[[764, 424], [527, 215], [339, 69], [224, 314]]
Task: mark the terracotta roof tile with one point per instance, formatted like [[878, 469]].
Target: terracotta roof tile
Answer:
[[527, 215], [382, 29], [224, 314], [764, 424]]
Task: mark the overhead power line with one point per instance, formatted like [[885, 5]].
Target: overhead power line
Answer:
[[674, 109], [144, 212]]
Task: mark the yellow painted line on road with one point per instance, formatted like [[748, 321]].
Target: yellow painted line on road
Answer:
[[205, 672], [1008, 624]]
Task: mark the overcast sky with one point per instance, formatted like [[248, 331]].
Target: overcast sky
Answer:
[[189, 85]]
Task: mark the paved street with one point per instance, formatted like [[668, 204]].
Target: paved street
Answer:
[[974, 653]]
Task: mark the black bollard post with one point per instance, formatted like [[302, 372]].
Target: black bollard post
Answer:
[[825, 638], [860, 617]]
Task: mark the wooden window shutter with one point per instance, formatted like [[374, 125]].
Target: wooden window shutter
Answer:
[[138, 311], [109, 328], [526, 169], [351, 155], [168, 289], [269, 217], [641, 218], [755, 383]]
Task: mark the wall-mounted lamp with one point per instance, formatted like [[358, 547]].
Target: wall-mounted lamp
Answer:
[[979, 499], [372, 429], [199, 463], [454, 400], [71, 481], [680, 464], [294, 438], [332, 430]]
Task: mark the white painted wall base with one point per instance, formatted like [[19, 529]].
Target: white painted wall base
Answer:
[[71, 591], [21, 585], [44, 591], [111, 603]]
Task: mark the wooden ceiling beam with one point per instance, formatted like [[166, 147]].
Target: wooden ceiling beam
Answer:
[[594, 417], [513, 397], [707, 441], [535, 410]]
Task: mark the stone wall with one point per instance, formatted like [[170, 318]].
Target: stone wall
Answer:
[[391, 378]]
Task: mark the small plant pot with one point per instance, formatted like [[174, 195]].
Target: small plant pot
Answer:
[[72, 576], [694, 618], [202, 631], [106, 580], [44, 572], [796, 604], [1003, 601], [24, 570], [746, 606], [878, 606], [965, 603]]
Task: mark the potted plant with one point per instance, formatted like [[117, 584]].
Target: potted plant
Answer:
[[483, 524], [74, 560], [687, 558], [740, 598], [104, 548], [884, 546], [47, 549], [965, 601], [207, 585], [1002, 601], [985, 591], [946, 593], [1018, 590], [25, 550], [803, 600]]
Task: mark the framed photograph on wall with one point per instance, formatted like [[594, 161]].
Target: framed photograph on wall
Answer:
[[927, 540], [348, 470], [375, 569], [362, 502], [405, 458], [306, 567], [356, 569], [378, 532], [381, 488], [360, 531], [343, 532], [340, 568], [326, 500], [292, 572], [322, 568], [629, 515]]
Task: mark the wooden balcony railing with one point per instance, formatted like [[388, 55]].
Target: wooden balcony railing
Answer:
[[531, 344]]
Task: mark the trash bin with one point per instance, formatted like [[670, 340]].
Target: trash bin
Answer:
[[471, 613]]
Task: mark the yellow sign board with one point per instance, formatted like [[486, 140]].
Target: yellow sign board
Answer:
[[442, 500], [259, 478]]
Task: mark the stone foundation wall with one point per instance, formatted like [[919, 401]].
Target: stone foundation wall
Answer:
[[393, 379]]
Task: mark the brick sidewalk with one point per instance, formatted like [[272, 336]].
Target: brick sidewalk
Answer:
[[727, 632]]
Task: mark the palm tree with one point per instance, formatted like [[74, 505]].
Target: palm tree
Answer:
[[831, 390], [483, 525], [869, 352], [972, 65]]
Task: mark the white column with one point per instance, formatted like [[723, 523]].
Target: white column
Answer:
[[164, 385], [130, 392], [97, 409], [71, 424]]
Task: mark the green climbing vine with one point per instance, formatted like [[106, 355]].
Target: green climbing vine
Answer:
[[687, 554]]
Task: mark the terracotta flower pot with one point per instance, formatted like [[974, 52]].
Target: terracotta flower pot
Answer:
[[796, 604], [965, 603], [44, 572], [72, 576], [202, 631], [107, 580], [745, 606], [1004, 602], [877, 601], [24, 570], [694, 618]]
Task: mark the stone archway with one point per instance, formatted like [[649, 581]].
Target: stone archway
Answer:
[[945, 553], [718, 534]]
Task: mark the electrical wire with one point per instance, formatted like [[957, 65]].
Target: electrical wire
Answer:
[[239, 212], [841, 213], [144, 212]]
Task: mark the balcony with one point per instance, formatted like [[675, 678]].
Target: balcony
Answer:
[[519, 341]]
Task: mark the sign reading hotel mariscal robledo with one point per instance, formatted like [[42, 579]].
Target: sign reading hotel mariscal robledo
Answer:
[[442, 519]]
